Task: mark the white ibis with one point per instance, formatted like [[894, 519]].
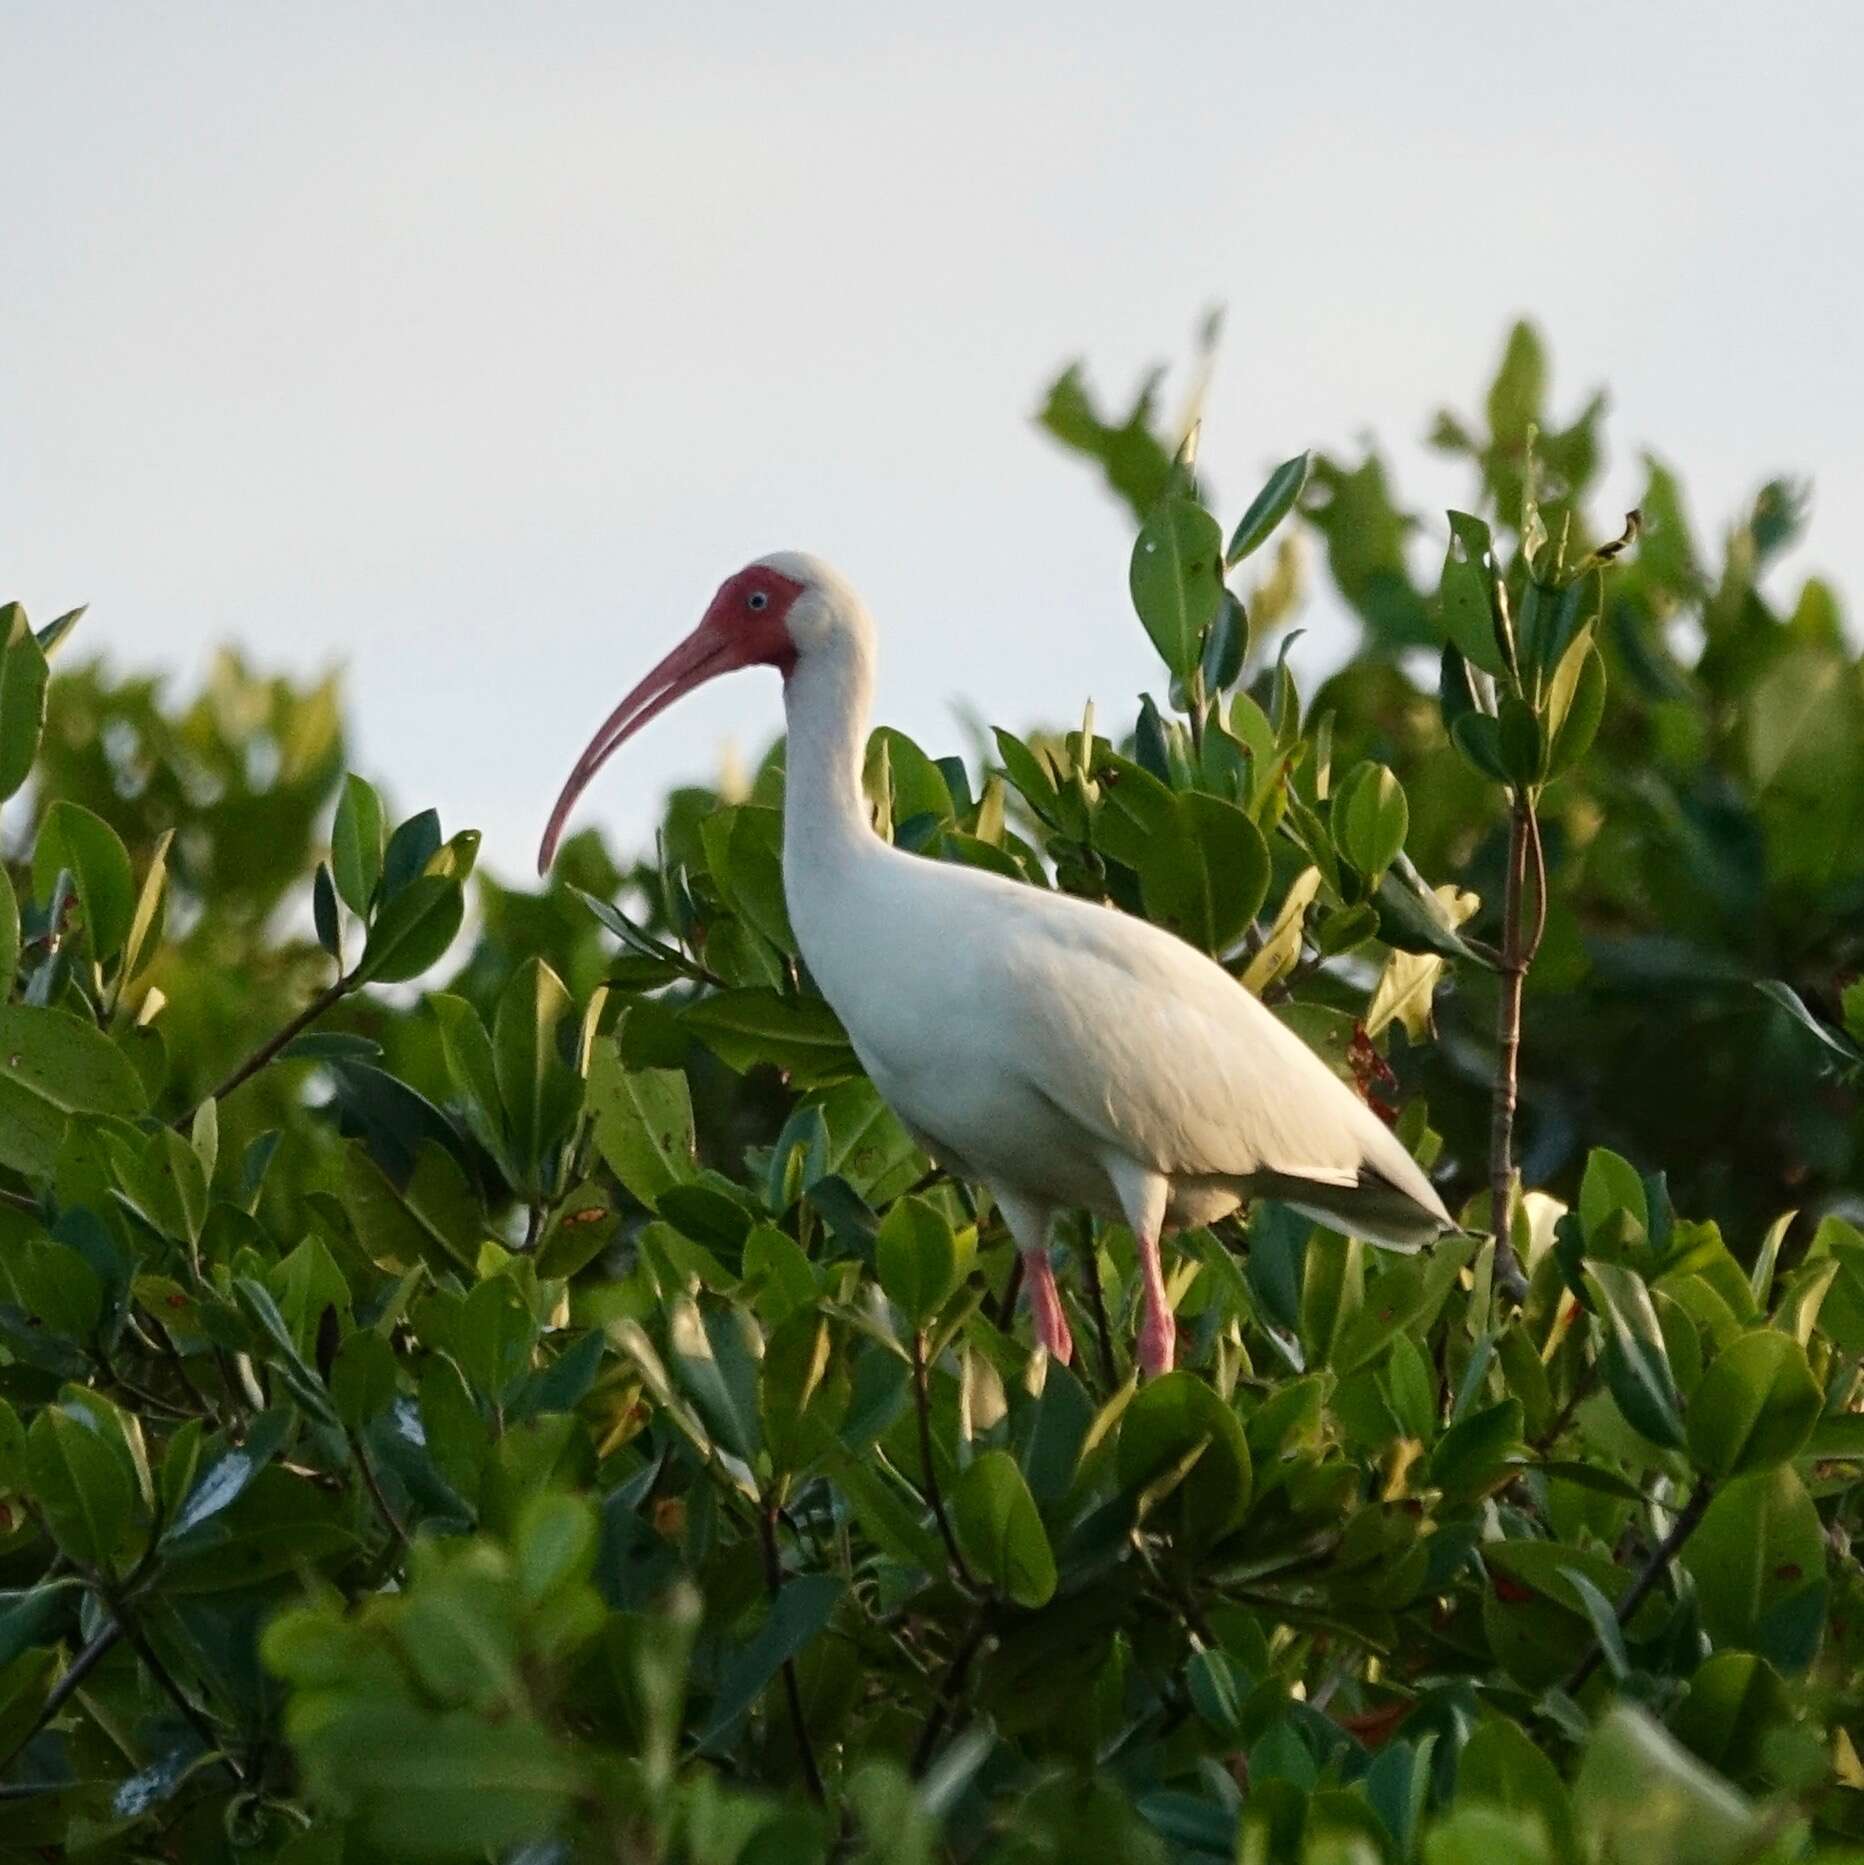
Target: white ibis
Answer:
[[1061, 1054]]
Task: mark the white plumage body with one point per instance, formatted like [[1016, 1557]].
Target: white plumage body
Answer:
[[1061, 1053]]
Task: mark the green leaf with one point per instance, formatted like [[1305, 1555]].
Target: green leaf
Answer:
[[53, 1066], [540, 1091], [1370, 818], [412, 930], [357, 840], [555, 1546], [757, 1027], [1205, 872], [1465, 598], [1636, 1362], [744, 851], [433, 1217], [147, 916], [224, 1471], [85, 1486], [643, 1124], [1502, 1767], [1268, 508], [1178, 1417], [75, 842], [410, 852], [1754, 1407], [23, 676], [1575, 708], [800, 1612], [474, 1074], [1000, 1531], [363, 1378], [9, 935], [1478, 1451], [1177, 580], [916, 1256], [1758, 1554], [326, 919], [1611, 1184]]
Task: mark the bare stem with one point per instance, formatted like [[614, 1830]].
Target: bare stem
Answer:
[[948, 1691], [1097, 1296], [792, 1690], [267, 1051], [390, 1520], [76, 1672], [1516, 955], [190, 1714], [1688, 1519], [922, 1404]]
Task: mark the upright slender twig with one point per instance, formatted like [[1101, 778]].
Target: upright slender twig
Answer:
[[792, 1690], [1097, 1297], [1517, 954], [76, 1672], [1687, 1521], [948, 1691], [922, 1404]]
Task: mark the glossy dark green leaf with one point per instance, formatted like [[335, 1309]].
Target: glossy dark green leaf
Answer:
[[1465, 598], [1370, 818], [1754, 1407], [408, 851], [9, 935], [74, 841], [357, 841], [917, 1259], [1636, 1361], [1268, 508], [1757, 1554], [1205, 871], [1177, 580], [412, 930], [643, 1124], [1000, 1530], [540, 1091], [800, 1036], [23, 676], [325, 914], [54, 1066], [1175, 1418]]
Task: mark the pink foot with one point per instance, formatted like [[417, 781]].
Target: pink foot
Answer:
[[1045, 1306], [1158, 1341], [1158, 1334]]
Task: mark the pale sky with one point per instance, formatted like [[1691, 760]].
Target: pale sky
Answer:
[[470, 347]]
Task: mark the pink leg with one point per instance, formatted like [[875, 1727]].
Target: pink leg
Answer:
[[1045, 1305], [1158, 1333]]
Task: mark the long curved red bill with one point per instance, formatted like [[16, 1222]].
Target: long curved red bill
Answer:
[[707, 652]]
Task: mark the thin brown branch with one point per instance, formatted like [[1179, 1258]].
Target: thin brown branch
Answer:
[[922, 1405], [268, 1050], [1513, 973], [371, 1482], [76, 1672], [190, 1713], [949, 1690], [1097, 1299], [792, 1690], [1688, 1519]]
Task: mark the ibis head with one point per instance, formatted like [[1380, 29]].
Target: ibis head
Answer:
[[772, 613]]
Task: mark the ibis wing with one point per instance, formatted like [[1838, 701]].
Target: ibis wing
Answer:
[[1164, 1057]]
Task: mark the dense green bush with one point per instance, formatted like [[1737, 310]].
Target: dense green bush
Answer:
[[560, 1416]]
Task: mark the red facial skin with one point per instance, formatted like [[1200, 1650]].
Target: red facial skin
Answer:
[[746, 625]]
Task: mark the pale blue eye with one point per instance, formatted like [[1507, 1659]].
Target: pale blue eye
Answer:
[[758, 600]]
